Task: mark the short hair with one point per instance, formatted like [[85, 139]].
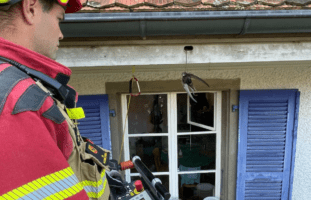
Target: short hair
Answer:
[[7, 16], [47, 5]]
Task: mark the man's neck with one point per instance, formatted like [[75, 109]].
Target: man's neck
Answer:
[[17, 35]]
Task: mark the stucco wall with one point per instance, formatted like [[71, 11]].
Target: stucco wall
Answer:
[[88, 82]]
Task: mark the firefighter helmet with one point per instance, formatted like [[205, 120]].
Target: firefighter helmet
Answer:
[[71, 5]]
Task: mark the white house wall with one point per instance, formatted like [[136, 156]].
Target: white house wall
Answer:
[[175, 54], [258, 66]]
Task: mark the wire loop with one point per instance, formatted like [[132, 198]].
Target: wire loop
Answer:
[[131, 87]]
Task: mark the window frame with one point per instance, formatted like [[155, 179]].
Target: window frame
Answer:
[[173, 139]]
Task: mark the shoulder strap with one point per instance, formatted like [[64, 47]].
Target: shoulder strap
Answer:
[[62, 92]]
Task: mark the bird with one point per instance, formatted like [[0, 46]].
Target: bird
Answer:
[[188, 85]]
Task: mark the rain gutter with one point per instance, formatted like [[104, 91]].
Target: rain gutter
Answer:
[[145, 24]]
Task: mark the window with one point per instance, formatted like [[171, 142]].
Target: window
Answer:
[[178, 139]]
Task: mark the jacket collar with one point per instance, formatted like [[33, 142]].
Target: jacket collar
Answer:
[[34, 60]]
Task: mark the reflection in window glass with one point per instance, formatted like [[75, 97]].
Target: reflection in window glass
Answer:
[[202, 112], [153, 152], [197, 152], [196, 186], [148, 114]]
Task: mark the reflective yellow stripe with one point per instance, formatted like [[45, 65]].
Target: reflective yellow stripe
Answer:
[[66, 193], [11, 194], [64, 1], [96, 185], [69, 171], [7, 197], [31, 185], [55, 178], [56, 196], [28, 188], [100, 193], [22, 189], [18, 193], [64, 183], [4, 1]]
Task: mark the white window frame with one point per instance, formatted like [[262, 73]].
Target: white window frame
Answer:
[[173, 139], [212, 128]]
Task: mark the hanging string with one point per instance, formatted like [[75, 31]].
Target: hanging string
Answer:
[[128, 108], [189, 100], [186, 60], [126, 117]]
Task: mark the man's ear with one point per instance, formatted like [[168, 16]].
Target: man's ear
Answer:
[[31, 10]]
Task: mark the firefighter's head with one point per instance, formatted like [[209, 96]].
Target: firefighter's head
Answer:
[[34, 24]]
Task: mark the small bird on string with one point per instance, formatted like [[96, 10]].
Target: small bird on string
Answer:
[[187, 83]]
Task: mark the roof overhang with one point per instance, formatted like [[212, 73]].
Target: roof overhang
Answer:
[[145, 24]]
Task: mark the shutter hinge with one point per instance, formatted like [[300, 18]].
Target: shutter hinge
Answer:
[[235, 107], [112, 113]]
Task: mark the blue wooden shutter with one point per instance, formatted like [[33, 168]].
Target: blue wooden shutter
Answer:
[[96, 124], [266, 144]]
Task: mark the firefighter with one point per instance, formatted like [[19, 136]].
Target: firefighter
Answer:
[[42, 155]]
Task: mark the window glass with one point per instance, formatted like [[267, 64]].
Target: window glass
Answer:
[[153, 152], [148, 114], [196, 186], [197, 152], [201, 113]]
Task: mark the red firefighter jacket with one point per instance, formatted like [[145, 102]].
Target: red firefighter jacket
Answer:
[[35, 142]]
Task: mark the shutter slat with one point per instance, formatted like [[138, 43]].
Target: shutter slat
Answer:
[[91, 134], [267, 125], [260, 140], [263, 167], [280, 113], [266, 129], [265, 147], [86, 119], [91, 110], [266, 143], [92, 115], [262, 198], [261, 136], [266, 162], [264, 120], [86, 131], [90, 123], [268, 104], [267, 193], [267, 132], [264, 159], [263, 188], [90, 127], [267, 117], [253, 108], [274, 152]]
